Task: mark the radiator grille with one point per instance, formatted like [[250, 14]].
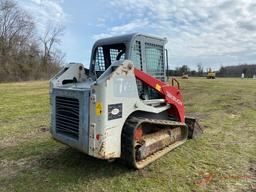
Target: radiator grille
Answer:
[[67, 116]]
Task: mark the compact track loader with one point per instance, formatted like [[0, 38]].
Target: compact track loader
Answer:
[[121, 106]]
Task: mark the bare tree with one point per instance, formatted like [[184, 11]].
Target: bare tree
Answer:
[[50, 40], [200, 69], [16, 27], [17, 31], [24, 55]]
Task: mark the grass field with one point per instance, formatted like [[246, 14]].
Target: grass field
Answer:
[[223, 159]]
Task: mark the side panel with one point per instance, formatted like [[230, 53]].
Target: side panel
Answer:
[[116, 98]]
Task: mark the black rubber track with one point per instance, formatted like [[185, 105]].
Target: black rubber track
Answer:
[[127, 137]]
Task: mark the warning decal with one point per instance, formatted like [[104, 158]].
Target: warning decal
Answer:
[[99, 108], [158, 87]]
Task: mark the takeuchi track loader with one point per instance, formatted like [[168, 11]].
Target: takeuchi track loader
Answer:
[[121, 106]]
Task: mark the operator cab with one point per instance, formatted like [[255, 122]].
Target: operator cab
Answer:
[[146, 52]]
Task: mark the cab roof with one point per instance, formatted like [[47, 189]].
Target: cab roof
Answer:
[[124, 39]]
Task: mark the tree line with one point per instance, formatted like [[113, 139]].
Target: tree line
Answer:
[[229, 71], [236, 71], [184, 69], [24, 53]]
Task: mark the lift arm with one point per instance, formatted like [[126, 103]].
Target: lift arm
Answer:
[[171, 94]]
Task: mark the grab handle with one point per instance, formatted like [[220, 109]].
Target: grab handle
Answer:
[[176, 81]]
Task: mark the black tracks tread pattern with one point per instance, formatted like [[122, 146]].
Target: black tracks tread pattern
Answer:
[[127, 137]]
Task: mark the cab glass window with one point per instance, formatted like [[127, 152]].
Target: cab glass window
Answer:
[[106, 55]]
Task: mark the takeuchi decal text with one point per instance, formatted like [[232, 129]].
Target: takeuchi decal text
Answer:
[[172, 97]]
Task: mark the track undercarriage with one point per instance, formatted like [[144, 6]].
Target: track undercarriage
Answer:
[[145, 140]]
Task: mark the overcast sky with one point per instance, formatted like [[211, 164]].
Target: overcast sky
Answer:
[[211, 32]]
